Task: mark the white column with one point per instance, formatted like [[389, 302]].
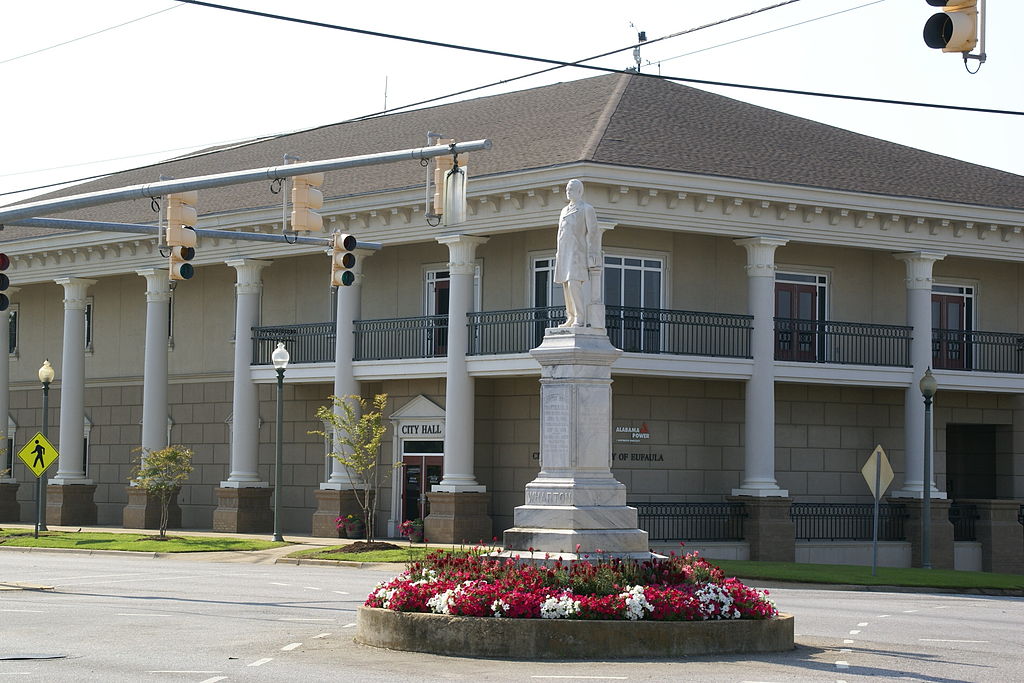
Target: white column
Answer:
[[759, 432], [919, 317], [245, 415], [345, 384], [5, 386], [154, 377], [71, 464], [459, 387]]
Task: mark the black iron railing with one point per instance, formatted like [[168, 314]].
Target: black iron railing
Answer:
[[973, 350], [512, 331], [306, 342], [847, 521], [1020, 515], [397, 338], [692, 521], [829, 341], [963, 516], [684, 333]]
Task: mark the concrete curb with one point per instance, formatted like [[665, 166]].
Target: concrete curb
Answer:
[[567, 639]]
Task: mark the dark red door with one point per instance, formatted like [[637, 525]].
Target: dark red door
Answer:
[[949, 338], [796, 332], [420, 472]]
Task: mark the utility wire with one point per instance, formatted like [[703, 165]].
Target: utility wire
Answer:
[[89, 35]]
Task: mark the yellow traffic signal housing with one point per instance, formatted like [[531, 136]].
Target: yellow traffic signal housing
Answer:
[[955, 29], [306, 198], [343, 260], [181, 234], [5, 282]]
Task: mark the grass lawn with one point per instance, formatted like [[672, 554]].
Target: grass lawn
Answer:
[[851, 574], [90, 540]]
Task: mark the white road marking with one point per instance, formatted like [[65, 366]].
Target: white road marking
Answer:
[[186, 671], [290, 646], [949, 640], [909, 611], [863, 623], [141, 614], [854, 632], [321, 635], [847, 641], [275, 583], [214, 679], [842, 665], [34, 611], [846, 649], [882, 616], [143, 577], [301, 619], [260, 662], [349, 626], [312, 588], [342, 592]]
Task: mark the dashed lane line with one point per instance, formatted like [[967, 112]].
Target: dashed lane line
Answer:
[[950, 640], [847, 641], [909, 611], [854, 631], [290, 646], [321, 635], [184, 671], [842, 664], [312, 588], [260, 662], [349, 626], [342, 592], [863, 623], [215, 679], [275, 583]]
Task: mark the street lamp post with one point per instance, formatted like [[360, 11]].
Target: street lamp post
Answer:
[[280, 359], [928, 387], [46, 374]]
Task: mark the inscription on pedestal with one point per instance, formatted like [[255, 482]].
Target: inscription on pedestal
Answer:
[[548, 497], [556, 426]]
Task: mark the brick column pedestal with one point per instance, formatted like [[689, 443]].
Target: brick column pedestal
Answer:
[[331, 504], [768, 528], [940, 532], [458, 518], [143, 510], [70, 504], [10, 510], [1000, 534], [243, 510]]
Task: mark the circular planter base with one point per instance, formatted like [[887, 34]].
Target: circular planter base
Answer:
[[568, 639]]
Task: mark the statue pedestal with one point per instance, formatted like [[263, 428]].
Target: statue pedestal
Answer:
[[575, 506]]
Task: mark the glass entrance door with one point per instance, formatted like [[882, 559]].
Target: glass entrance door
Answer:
[[796, 330], [419, 473]]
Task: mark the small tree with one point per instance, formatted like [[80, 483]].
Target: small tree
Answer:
[[161, 473], [357, 434]]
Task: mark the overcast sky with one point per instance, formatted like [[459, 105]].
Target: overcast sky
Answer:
[[192, 76]]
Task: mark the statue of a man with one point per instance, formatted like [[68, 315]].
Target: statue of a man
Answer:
[[578, 250]]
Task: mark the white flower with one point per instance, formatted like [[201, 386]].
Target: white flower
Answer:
[[636, 603], [716, 603], [442, 602], [561, 607], [500, 608]]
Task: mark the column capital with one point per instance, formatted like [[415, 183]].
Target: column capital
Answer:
[[158, 285], [248, 274], [919, 267], [761, 254], [74, 291], [604, 226], [461, 252]]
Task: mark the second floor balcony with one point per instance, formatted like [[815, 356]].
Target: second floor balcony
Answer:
[[649, 331]]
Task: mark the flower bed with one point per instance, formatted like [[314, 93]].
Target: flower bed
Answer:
[[678, 588]]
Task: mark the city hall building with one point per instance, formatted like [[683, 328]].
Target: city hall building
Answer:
[[778, 288]]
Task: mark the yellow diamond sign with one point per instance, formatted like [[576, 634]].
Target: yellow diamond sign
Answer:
[[38, 454]]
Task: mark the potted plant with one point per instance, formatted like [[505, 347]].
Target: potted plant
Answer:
[[352, 525], [412, 529]]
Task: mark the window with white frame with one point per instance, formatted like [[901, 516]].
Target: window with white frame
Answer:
[[12, 321], [89, 317], [801, 303]]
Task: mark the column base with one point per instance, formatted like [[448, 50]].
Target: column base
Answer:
[[940, 532], [330, 505], [918, 494], [243, 510], [458, 518], [761, 493], [10, 509], [70, 504], [768, 528], [143, 510]]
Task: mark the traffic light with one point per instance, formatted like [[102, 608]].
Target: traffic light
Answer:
[[343, 260], [306, 198], [181, 233], [5, 282], [955, 28]]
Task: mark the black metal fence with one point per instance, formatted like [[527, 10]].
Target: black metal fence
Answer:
[[685, 333], [847, 521], [396, 338], [973, 350], [829, 341], [306, 343], [692, 521], [512, 331], [963, 516]]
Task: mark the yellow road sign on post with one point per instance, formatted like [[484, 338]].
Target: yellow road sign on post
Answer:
[[38, 454], [877, 467]]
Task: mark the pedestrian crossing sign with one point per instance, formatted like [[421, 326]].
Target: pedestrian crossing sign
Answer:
[[38, 454]]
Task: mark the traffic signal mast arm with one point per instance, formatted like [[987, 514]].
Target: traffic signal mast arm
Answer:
[[162, 188]]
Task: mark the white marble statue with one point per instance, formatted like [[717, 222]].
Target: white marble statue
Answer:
[[578, 251]]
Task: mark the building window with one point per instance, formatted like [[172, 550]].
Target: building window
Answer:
[[12, 343], [89, 315], [437, 284], [800, 305], [952, 320]]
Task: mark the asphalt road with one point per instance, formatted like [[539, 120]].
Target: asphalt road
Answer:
[[124, 618]]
